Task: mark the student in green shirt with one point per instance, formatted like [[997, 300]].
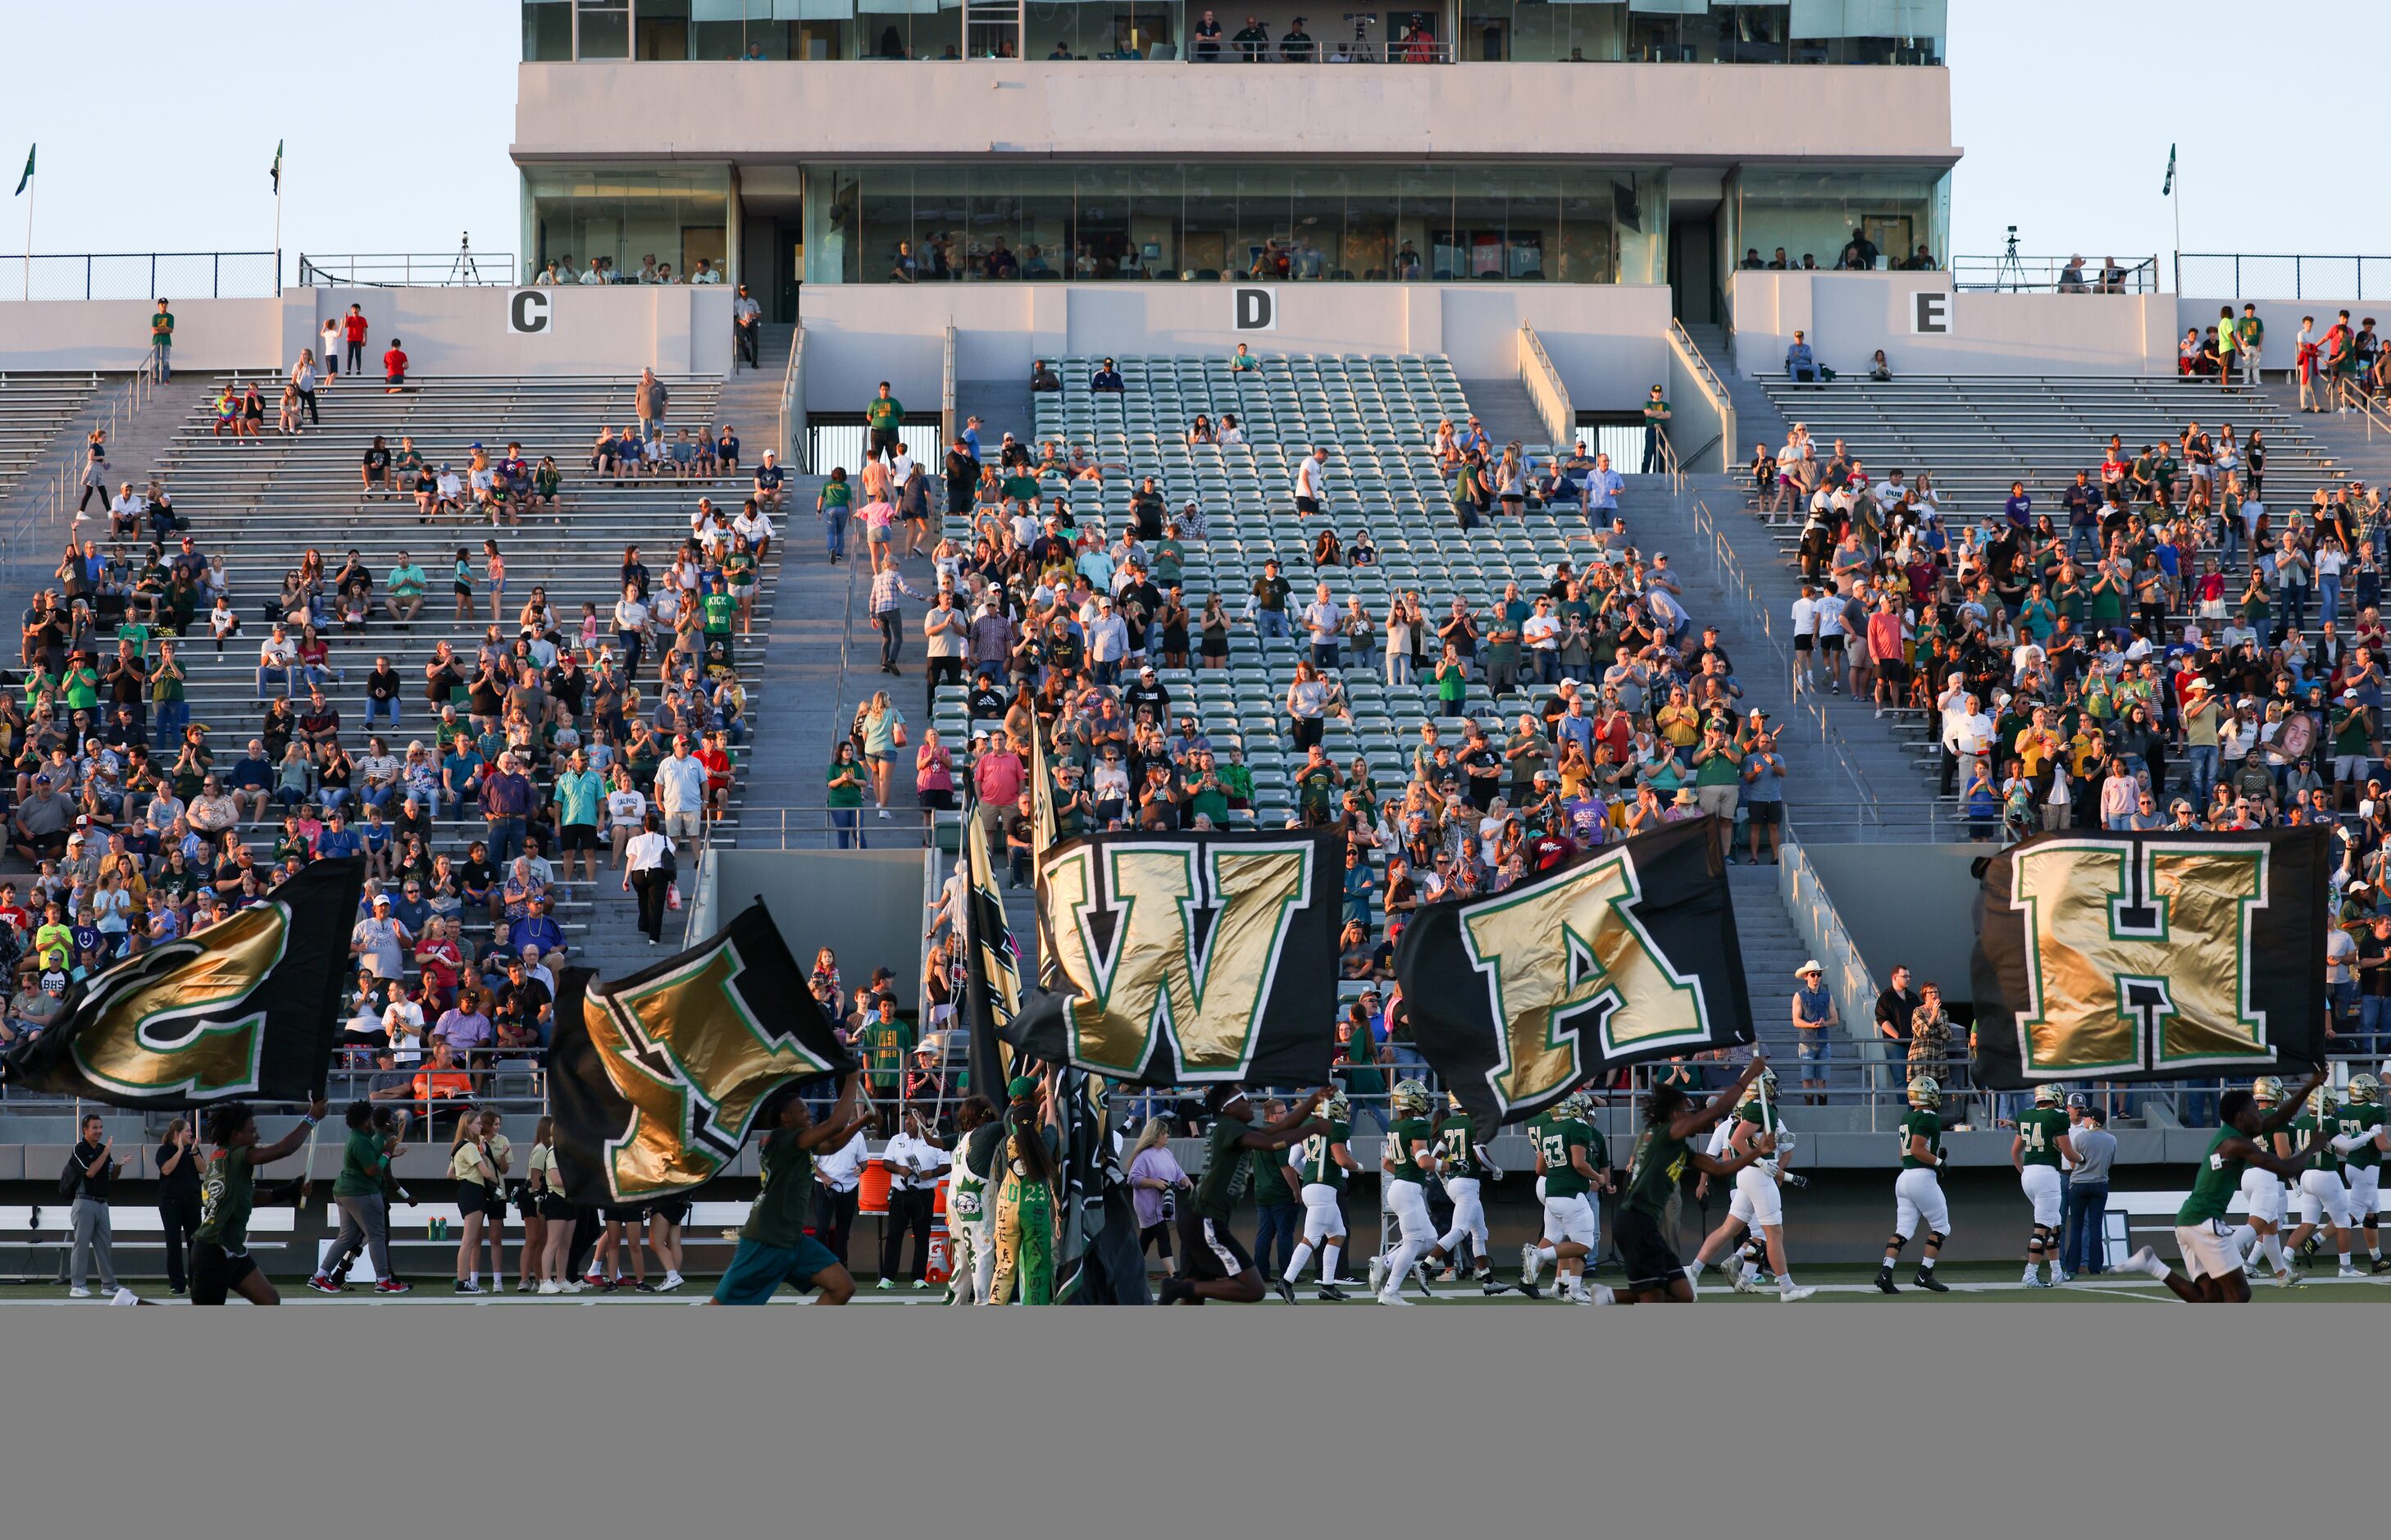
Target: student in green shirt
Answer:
[[1218, 1266], [1671, 1123], [1452, 683], [845, 794], [885, 415], [358, 1192], [221, 1264], [773, 1246], [161, 338]]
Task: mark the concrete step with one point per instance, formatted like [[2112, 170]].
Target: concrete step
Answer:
[[1505, 411]]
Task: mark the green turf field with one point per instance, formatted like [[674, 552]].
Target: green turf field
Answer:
[[1836, 1286]]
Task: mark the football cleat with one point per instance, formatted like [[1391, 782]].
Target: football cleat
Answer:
[[1530, 1265], [1790, 1292], [1885, 1282], [1419, 1276], [1377, 1275], [1743, 1283], [1284, 1289], [2349, 1272], [1925, 1092], [1929, 1281], [2364, 1090], [1393, 1297], [2048, 1096], [1332, 1291]]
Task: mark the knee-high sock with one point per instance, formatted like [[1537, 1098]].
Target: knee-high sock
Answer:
[[1399, 1266], [1296, 1264], [1328, 1258]]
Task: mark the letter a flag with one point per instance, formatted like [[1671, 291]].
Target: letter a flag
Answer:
[[656, 1080], [248, 1007], [2150, 956], [1189, 958], [1624, 954]]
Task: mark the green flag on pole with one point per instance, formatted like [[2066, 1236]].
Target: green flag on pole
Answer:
[[2167, 189], [276, 170], [26, 180]]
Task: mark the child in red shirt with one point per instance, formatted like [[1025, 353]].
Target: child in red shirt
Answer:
[[394, 367]]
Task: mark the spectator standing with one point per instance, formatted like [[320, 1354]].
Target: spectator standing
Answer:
[[648, 870], [162, 342], [92, 1168], [746, 327], [179, 1197], [649, 401], [2084, 1245], [838, 1175], [1656, 427], [915, 1158], [1813, 1017], [353, 336], [885, 415]]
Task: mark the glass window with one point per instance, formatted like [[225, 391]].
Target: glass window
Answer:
[[662, 29], [605, 30], [630, 223], [1833, 219], [547, 31]]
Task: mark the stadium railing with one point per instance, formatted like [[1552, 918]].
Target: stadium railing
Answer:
[[2042, 274], [149, 275], [794, 438], [1691, 379], [1546, 388], [406, 269], [2280, 274]]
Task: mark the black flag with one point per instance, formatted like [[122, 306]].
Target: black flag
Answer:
[[991, 962], [1187, 959], [251, 1006], [656, 1080], [2151, 955], [1624, 954]]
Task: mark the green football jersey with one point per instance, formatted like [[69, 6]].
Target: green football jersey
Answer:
[[781, 1211], [1660, 1160], [2219, 1179], [1316, 1163], [968, 1196], [2303, 1128], [226, 1191], [1562, 1179], [1400, 1136], [1920, 1123], [1457, 1138], [1224, 1168], [2041, 1128], [2355, 1120]]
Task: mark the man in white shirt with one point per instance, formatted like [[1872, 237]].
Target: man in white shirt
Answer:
[[838, 1175], [915, 1158], [1806, 639], [1541, 635], [680, 792], [1956, 705], [274, 656], [1310, 483], [595, 273], [1107, 644], [1321, 618]]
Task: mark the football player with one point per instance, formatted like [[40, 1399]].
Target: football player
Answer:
[[2324, 1197], [1758, 1206], [1466, 1163], [1572, 1163], [1324, 1163], [2262, 1200], [2040, 1145], [1410, 1159], [1917, 1191], [2363, 1139], [2241, 1142]]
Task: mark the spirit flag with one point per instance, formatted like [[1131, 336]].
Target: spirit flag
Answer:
[[2150, 956]]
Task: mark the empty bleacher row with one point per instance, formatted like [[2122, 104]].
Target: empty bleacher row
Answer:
[[259, 504], [33, 409]]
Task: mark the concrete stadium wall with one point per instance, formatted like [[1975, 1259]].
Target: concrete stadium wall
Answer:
[[1607, 340], [616, 329], [832, 110], [865, 905], [1849, 316], [1912, 904]]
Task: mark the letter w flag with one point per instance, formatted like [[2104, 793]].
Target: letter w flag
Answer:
[[1624, 954]]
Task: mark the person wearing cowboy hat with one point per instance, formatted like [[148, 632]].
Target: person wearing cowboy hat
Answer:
[[2203, 716], [1813, 1017], [1685, 806]]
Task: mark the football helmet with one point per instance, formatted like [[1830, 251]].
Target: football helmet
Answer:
[[1452, 1101], [2050, 1095], [1338, 1109], [2268, 1089], [1925, 1092], [1410, 1099], [2320, 1102], [1575, 1108], [1764, 1085], [2364, 1090]]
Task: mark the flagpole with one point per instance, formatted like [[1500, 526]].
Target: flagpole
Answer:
[[33, 188]]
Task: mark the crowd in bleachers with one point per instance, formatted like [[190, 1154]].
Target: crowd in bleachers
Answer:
[[2163, 649], [1365, 615], [554, 749]]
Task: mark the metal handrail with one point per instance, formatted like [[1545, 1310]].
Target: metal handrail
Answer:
[[408, 270], [795, 452], [2335, 278], [67, 484], [1547, 389], [37, 267], [1714, 392], [948, 426], [2035, 275]]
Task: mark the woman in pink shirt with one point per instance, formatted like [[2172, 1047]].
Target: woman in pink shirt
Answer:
[[933, 772]]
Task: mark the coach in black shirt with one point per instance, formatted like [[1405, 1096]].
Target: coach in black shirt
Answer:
[[1895, 1008]]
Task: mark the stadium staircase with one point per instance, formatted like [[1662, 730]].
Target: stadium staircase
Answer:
[[2361, 449], [45, 420], [261, 503]]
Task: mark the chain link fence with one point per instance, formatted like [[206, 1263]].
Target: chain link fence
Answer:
[[147, 276], [2243, 275]]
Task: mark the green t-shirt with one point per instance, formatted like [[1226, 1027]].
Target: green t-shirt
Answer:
[[884, 1046], [1719, 769], [1269, 1179], [886, 413], [2041, 1128], [719, 610], [1400, 1135], [1655, 412], [1920, 1123], [2219, 1179], [844, 797], [1314, 1162], [1660, 1160], [1554, 1140], [2351, 1122], [837, 493], [362, 1162], [161, 329], [227, 1192], [779, 1216], [1224, 1168]]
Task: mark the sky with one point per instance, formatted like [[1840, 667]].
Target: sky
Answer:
[[396, 120]]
